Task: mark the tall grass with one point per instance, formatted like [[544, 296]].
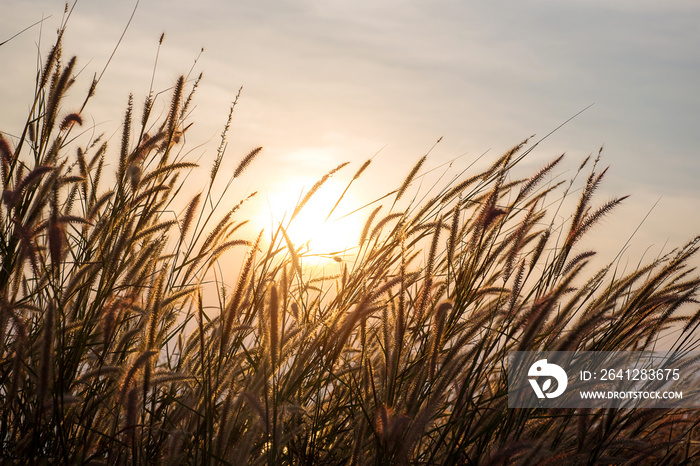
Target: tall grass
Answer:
[[108, 353]]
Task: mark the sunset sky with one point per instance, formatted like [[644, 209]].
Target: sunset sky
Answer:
[[334, 81]]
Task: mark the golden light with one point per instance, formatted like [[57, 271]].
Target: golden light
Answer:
[[321, 238]]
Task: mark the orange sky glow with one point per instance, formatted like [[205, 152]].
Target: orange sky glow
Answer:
[[332, 82]]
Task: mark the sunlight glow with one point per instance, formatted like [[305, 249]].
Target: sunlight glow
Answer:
[[320, 238]]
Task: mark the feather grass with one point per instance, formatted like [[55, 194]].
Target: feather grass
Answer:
[[123, 340]]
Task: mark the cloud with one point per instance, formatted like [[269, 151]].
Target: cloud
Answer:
[[352, 77]]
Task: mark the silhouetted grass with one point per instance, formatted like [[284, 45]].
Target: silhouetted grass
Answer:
[[108, 354]]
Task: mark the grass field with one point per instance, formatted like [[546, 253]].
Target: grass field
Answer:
[[109, 354]]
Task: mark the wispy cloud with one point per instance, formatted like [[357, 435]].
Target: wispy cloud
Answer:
[[358, 76]]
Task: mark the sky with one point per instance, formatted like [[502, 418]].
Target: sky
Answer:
[[335, 81]]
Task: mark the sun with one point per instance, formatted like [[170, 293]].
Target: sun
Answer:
[[323, 230]]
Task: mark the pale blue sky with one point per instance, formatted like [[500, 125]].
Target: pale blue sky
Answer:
[[326, 82]]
